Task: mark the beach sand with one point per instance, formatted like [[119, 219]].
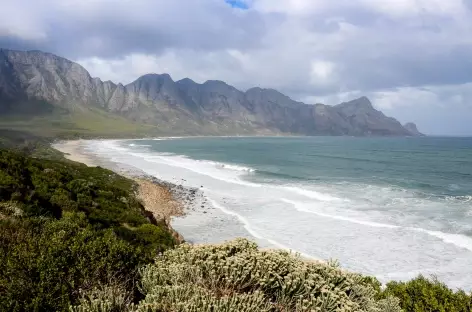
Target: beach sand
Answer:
[[163, 199], [73, 151]]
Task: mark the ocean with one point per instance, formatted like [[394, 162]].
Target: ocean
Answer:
[[389, 207]]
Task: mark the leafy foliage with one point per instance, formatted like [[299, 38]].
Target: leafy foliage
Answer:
[[28, 143], [424, 295], [44, 264], [67, 228], [237, 276], [44, 188], [105, 298]]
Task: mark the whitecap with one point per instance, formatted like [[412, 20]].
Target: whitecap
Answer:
[[303, 207], [458, 240], [311, 194], [254, 233]]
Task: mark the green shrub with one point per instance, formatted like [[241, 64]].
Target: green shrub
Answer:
[[67, 230], [44, 188], [104, 298], [43, 267], [236, 276], [425, 295], [193, 298], [153, 237]]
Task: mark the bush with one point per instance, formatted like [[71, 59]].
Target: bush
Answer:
[[44, 188], [44, 267], [153, 237], [66, 230], [425, 295], [236, 276], [104, 298]]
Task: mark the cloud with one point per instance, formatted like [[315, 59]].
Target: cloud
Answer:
[[13, 25], [437, 110], [185, 63], [404, 54], [107, 28]]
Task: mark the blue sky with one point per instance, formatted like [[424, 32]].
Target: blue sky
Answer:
[[237, 4], [410, 57]]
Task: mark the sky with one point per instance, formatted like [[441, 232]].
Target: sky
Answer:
[[412, 58]]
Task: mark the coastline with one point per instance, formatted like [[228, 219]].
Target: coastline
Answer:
[[227, 212], [164, 200], [71, 151]]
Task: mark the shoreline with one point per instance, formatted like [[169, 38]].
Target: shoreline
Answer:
[[164, 200], [201, 225]]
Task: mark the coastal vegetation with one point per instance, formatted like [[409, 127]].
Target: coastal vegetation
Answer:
[[84, 123], [65, 229], [428, 294], [76, 238], [237, 276]]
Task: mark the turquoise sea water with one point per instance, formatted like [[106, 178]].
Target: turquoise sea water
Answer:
[[391, 207]]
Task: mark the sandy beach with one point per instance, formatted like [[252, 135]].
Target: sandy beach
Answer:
[[163, 199], [72, 151]]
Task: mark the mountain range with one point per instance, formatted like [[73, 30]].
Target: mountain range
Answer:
[[37, 83]]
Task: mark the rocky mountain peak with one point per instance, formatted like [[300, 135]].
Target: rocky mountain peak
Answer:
[[154, 78], [361, 103], [411, 127], [271, 96], [186, 81], [213, 107], [217, 85]]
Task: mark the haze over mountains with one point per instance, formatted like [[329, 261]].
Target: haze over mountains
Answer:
[[34, 82]]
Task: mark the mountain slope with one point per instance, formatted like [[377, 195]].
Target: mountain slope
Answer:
[[411, 127], [35, 82]]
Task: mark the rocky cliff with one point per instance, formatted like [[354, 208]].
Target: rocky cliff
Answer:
[[411, 127], [33, 79]]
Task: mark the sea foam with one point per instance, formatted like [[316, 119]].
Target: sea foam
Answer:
[[316, 218]]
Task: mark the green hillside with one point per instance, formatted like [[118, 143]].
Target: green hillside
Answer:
[[84, 123]]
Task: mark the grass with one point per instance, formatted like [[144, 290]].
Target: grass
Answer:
[[28, 143], [48, 121], [84, 123]]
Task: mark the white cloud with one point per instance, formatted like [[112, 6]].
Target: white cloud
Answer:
[[408, 8], [435, 109], [405, 97], [391, 8], [401, 53], [291, 6], [321, 70], [15, 21], [429, 97]]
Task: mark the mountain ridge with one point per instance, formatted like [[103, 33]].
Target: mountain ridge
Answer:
[[411, 126], [210, 108]]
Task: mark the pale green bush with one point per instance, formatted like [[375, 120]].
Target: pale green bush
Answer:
[[191, 298], [108, 298], [236, 276], [390, 304]]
